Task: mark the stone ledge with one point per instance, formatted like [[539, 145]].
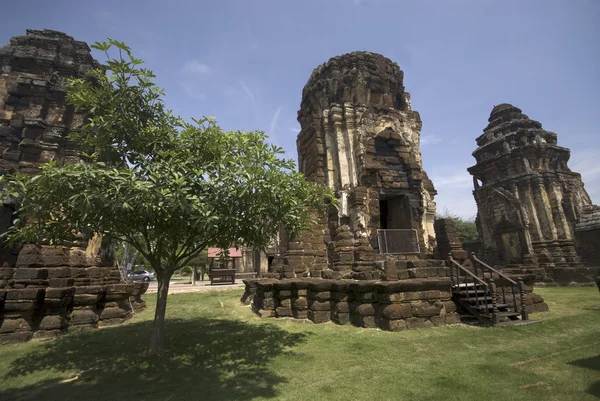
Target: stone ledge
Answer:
[[46, 312], [393, 306]]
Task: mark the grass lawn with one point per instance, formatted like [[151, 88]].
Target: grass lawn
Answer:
[[181, 279], [219, 350]]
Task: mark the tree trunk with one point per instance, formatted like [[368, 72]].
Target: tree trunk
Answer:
[[127, 261], [131, 263], [194, 273], [158, 327]]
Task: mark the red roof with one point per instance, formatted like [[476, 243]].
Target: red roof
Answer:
[[216, 252]]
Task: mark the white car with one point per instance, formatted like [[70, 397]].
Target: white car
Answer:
[[142, 275]]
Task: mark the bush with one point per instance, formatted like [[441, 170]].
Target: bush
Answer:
[[467, 229], [185, 271]]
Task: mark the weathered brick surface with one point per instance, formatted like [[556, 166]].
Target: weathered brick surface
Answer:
[[532, 209], [50, 288], [448, 242], [360, 137], [394, 306], [587, 235]]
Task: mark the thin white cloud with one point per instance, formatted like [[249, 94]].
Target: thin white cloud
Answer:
[[357, 3], [105, 19], [591, 172], [585, 162], [102, 15], [230, 92], [248, 92], [458, 179], [190, 91], [455, 191], [273, 124], [195, 67], [146, 54], [293, 129], [430, 139], [461, 204]]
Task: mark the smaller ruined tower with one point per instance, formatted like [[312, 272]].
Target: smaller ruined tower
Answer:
[[528, 199]]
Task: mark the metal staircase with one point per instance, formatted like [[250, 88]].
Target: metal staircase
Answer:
[[488, 294]]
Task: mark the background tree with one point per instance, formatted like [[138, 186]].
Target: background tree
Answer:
[[467, 229], [125, 258], [165, 186], [199, 262]]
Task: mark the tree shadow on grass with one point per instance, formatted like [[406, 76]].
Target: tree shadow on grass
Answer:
[[207, 359], [590, 363]]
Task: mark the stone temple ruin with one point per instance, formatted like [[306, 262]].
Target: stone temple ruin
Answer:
[[375, 262], [380, 260], [45, 290], [361, 137], [533, 211]]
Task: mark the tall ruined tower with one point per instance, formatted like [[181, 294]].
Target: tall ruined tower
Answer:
[[34, 117], [45, 289], [361, 138], [528, 200]]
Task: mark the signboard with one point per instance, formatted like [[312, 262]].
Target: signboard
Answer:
[[398, 241]]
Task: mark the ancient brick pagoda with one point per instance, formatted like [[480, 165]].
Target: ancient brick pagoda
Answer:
[[45, 290], [361, 138], [531, 206], [374, 262]]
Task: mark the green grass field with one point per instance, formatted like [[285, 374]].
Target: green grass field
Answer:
[[219, 350]]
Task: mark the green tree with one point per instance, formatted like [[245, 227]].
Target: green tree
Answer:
[[467, 229], [165, 186], [200, 261], [125, 258]]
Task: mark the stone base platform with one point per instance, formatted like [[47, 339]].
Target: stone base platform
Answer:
[[52, 289], [557, 275], [393, 305], [47, 312]]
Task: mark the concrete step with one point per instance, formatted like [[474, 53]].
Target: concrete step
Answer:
[[517, 322]]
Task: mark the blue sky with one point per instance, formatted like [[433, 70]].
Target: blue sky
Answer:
[[245, 62]]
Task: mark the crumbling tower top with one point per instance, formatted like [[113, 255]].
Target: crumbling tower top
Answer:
[[357, 78], [46, 52]]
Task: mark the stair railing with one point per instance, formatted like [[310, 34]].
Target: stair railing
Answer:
[[516, 287], [458, 272]]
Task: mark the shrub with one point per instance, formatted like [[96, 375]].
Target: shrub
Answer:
[[467, 229]]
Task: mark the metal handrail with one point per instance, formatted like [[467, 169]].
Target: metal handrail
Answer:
[[516, 287], [504, 276], [490, 288], [466, 271]]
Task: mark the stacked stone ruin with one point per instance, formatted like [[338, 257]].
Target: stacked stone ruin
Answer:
[[45, 290], [391, 306], [531, 206], [587, 235], [361, 138], [388, 305], [448, 241]]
